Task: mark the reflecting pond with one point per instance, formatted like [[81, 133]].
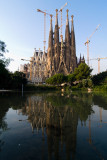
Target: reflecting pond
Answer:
[[53, 126]]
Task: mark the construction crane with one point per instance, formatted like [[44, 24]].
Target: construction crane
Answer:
[[60, 10], [98, 153], [87, 43], [45, 13], [98, 62], [26, 60]]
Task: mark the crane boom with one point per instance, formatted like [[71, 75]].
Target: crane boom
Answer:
[[38, 10], [63, 7], [103, 58], [94, 32], [98, 62], [98, 58], [26, 60]]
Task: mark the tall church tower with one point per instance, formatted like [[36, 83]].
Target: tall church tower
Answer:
[[73, 62], [50, 49], [67, 44], [56, 43]]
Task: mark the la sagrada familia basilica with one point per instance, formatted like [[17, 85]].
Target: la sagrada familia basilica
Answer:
[[60, 57]]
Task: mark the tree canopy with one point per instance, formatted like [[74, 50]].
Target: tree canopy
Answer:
[[2, 47], [82, 72], [56, 79], [9, 80], [100, 78], [3, 50]]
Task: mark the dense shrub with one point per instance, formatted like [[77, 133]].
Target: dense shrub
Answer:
[[17, 79], [100, 88], [100, 78], [11, 80], [56, 79], [90, 83], [4, 76], [79, 85], [87, 83], [84, 83], [71, 78]]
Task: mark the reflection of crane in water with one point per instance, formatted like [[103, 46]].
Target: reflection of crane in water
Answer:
[[100, 110], [91, 142]]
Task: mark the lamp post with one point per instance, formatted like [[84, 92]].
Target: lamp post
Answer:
[[22, 84]]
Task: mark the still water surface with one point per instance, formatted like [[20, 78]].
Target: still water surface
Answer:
[[53, 126]]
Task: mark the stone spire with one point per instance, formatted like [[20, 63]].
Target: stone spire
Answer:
[[73, 47], [50, 48], [67, 32], [56, 32], [56, 43], [50, 42], [72, 33], [67, 42]]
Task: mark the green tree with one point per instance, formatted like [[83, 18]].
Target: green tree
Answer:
[[90, 83], [84, 83], [71, 78], [100, 78], [3, 50], [56, 79], [82, 72], [17, 79], [4, 76], [4, 73]]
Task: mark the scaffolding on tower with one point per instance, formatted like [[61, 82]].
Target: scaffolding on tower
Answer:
[[45, 13]]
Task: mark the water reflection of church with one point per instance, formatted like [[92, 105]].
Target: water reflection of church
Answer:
[[59, 123], [55, 117]]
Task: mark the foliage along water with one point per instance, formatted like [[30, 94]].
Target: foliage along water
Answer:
[[53, 126]]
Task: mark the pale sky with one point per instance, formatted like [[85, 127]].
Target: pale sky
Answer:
[[22, 27]]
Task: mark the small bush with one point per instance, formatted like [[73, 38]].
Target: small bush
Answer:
[[56, 79], [80, 85], [100, 88], [71, 78], [84, 83], [89, 83]]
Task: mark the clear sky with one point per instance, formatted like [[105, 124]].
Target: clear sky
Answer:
[[22, 27]]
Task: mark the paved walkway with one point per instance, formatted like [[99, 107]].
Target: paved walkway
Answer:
[[3, 90]]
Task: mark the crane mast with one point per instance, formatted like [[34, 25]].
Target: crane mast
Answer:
[[44, 32], [61, 20], [87, 43], [45, 13]]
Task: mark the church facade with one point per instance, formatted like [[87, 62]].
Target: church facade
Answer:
[[61, 55]]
